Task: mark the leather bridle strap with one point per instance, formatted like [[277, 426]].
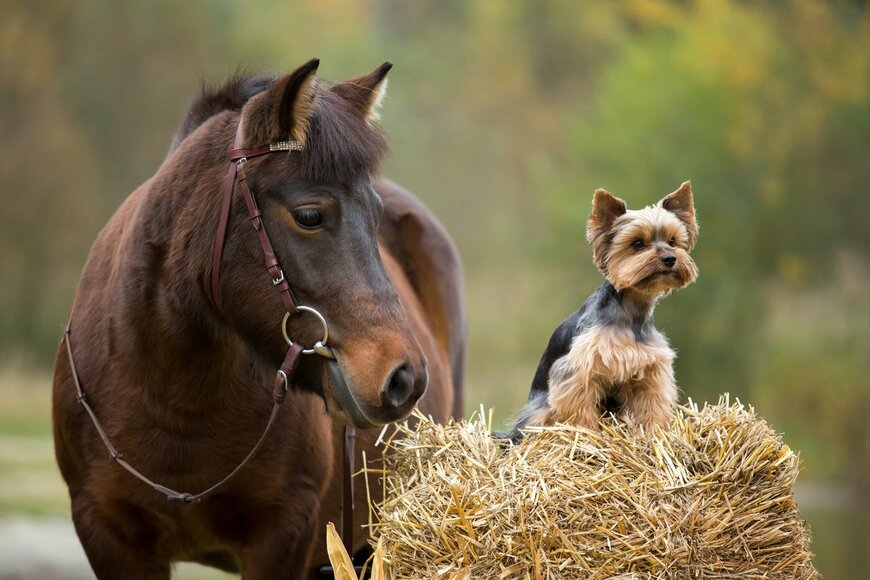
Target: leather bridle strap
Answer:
[[347, 503], [236, 174], [279, 393]]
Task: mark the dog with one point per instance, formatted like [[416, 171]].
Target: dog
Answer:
[[607, 356]]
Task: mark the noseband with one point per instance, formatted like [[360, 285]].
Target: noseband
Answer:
[[236, 175]]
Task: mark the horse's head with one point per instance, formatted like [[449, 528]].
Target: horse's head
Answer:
[[321, 214]]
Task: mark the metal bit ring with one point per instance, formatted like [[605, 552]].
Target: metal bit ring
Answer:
[[320, 346]]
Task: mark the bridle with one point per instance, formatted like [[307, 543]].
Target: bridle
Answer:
[[236, 178]]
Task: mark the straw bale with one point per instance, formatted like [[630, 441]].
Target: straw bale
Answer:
[[710, 497]]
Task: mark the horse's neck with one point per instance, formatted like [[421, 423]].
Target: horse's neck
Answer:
[[164, 260]]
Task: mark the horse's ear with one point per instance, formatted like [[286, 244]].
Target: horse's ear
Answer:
[[365, 93], [282, 111]]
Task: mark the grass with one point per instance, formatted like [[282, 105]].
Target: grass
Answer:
[[29, 481]]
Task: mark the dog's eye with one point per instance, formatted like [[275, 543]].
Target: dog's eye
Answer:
[[308, 217], [637, 244], [673, 242]]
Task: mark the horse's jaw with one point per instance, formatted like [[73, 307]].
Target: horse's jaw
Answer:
[[340, 400]]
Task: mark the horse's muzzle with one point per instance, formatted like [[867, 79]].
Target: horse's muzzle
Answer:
[[403, 389]]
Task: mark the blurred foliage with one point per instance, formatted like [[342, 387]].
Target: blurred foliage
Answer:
[[503, 118]]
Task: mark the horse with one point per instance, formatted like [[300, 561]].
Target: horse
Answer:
[[173, 354]]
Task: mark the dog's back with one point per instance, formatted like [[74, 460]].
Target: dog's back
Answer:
[[557, 348]]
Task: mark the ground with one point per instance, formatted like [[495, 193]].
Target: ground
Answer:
[[39, 541]]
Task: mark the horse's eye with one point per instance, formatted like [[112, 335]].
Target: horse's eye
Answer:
[[672, 242], [637, 244], [308, 217]]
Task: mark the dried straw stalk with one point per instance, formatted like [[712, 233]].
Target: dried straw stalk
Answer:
[[710, 497]]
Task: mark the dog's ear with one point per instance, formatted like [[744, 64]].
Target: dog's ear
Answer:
[[681, 204], [605, 209]]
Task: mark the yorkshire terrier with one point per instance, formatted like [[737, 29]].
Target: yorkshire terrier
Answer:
[[608, 356]]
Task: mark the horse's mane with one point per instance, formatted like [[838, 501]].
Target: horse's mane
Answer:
[[340, 145], [213, 100]]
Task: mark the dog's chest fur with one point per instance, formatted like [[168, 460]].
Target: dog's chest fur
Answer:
[[606, 356], [609, 356], [608, 367]]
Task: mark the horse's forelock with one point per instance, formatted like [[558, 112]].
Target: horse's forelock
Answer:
[[341, 144]]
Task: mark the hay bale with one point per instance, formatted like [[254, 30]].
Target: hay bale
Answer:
[[711, 497]]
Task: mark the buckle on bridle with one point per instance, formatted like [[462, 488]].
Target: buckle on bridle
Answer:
[[279, 279]]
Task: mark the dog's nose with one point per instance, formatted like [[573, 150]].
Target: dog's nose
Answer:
[[669, 260]]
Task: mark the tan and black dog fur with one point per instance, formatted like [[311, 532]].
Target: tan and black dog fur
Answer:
[[608, 356]]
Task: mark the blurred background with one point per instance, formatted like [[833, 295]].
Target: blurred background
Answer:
[[503, 117]]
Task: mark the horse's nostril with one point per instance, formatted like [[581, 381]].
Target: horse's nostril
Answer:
[[401, 386]]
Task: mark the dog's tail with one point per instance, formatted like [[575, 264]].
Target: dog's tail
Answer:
[[537, 403]]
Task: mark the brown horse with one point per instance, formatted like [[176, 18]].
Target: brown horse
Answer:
[[178, 367]]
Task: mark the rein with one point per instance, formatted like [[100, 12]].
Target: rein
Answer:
[[236, 177]]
